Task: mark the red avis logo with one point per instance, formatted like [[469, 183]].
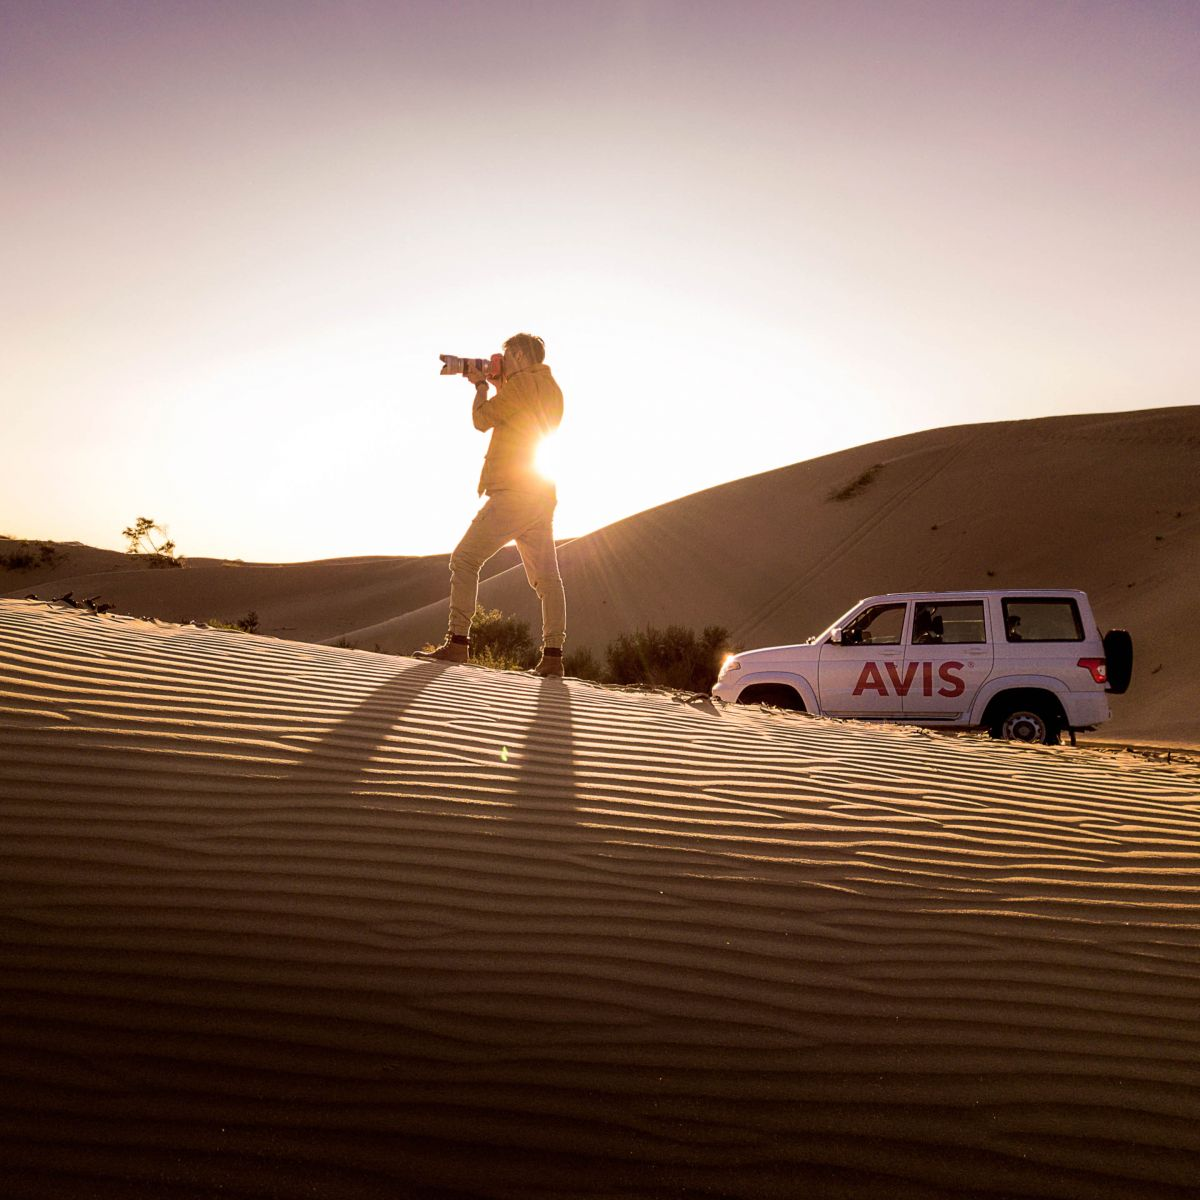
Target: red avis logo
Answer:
[[871, 680]]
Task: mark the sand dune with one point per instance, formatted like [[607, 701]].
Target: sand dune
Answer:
[[288, 920]]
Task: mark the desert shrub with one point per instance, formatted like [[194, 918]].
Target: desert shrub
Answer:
[[855, 486], [501, 640], [29, 555], [671, 657], [246, 624], [582, 664], [142, 544]]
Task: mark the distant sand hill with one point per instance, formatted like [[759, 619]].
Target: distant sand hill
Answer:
[[286, 920], [1108, 503]]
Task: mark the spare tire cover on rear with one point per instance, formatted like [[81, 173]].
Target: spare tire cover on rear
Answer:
[[1118, 654]]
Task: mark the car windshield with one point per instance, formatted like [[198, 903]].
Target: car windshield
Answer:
[[834, 624]]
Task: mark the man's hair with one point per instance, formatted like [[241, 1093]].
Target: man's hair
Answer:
[[529, 344]]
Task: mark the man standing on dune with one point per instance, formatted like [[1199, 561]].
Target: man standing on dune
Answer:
[[520, 504]]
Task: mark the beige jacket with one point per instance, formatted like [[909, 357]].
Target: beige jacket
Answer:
[[528, 406]]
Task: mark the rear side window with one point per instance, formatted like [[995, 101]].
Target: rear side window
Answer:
[[1030, 620], [950, 624]]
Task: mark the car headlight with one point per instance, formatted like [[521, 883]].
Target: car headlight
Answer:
[[730, 664]]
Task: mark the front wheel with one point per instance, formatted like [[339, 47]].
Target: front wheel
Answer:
[[1028, 724], [777, 695]]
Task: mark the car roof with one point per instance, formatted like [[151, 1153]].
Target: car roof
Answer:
[[981, 594]]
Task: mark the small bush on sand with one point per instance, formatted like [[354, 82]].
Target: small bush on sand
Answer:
[[501, 640], [29, 555], [582, 664], [142, 543], [246, 624], [672, 657]]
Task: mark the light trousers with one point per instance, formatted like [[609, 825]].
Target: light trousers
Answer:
[[526, 518]]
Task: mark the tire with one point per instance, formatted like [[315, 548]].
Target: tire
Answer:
[[1118, 657], [1027, 723], [777, 695]]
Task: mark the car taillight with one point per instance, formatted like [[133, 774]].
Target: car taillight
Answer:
[[1097, 668]]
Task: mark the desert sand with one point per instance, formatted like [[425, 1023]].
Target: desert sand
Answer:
[[284, 919], [1108, 503]]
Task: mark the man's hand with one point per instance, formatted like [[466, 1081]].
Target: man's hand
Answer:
[[476, 377]]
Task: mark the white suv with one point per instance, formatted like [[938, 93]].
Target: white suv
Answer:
[[1023, 664]]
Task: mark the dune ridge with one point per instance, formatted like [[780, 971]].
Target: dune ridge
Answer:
[[283, 919]]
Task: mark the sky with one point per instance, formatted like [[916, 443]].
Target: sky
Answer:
[[235, 236]]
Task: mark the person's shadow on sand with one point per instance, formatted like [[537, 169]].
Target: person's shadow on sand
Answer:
[[340, 754], [508, 787], [543, 784]]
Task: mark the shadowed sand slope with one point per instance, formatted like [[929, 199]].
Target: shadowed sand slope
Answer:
[[1109, 503], [302, 601], [285, 920]]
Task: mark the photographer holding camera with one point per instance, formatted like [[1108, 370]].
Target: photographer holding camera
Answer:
[[520, 504]]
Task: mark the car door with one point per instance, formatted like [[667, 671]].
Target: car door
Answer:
[[947, 658], [856, 675]]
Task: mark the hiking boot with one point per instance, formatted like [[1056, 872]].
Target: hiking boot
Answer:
[[551, 662], [455, 649]]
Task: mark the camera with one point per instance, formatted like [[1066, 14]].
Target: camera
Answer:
[[491, 367]]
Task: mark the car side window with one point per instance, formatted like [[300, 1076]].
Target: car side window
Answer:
[[879, 625], [948, 624], [1036, 620]]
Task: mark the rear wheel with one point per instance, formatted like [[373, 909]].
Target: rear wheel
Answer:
[[1030, 723]]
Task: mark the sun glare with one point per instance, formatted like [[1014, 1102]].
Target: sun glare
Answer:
[[548, 458]]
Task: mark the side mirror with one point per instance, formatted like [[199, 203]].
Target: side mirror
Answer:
[[835, 635]]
